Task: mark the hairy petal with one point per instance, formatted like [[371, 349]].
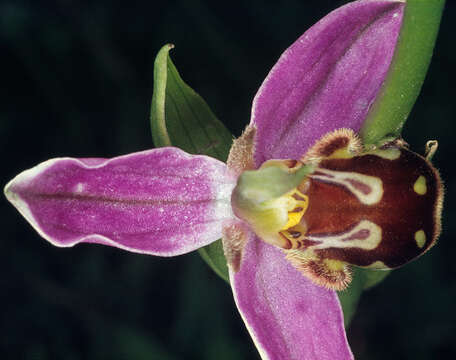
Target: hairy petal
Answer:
[[327, 79], [288, 317], [161, 202]]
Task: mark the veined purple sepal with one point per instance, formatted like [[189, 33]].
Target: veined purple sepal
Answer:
[[327, 79], [288, 317], [161, 202]]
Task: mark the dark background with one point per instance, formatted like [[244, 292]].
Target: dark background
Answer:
[[77, 81]]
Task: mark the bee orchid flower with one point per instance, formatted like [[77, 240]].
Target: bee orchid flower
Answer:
[[166, 202]]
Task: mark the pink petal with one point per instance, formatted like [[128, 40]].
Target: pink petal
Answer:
[[162, 202], [327, 79], [287, 316]]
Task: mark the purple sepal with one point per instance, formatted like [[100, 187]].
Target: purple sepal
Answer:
[[161, 202], [288, 317], [327, 79]]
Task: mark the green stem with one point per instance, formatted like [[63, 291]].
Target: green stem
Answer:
[[408, 69]]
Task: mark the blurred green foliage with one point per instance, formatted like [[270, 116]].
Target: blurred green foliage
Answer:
[[77, 81]]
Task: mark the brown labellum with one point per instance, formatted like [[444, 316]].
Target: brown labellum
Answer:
[[377, 209]]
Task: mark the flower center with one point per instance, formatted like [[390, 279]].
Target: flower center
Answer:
[[268, 199]]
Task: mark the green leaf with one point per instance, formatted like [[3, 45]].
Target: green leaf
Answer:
[[213, 255], [407, 72], [373, 277], [349, 297], [363, 279], [157, 110], [180, 117]]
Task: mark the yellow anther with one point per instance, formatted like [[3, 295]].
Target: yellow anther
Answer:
[[293, 219], [300, 203]]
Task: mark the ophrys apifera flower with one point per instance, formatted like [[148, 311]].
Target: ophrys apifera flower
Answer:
[[166, 202]]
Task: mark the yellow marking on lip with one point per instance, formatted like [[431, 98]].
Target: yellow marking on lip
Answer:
[[341, 154], [334, 265], [420, 238], [379, 265], [388, 154], [420, 185]]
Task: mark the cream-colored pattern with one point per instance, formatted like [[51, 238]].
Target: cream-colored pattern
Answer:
[[343, 177], [340, 241]]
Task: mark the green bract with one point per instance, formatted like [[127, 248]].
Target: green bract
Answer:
[[408, 69], [180, 117]]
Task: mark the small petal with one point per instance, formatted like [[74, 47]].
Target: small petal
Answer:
[[288, 317], [241, 152], [161, 202], [327, 79]]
